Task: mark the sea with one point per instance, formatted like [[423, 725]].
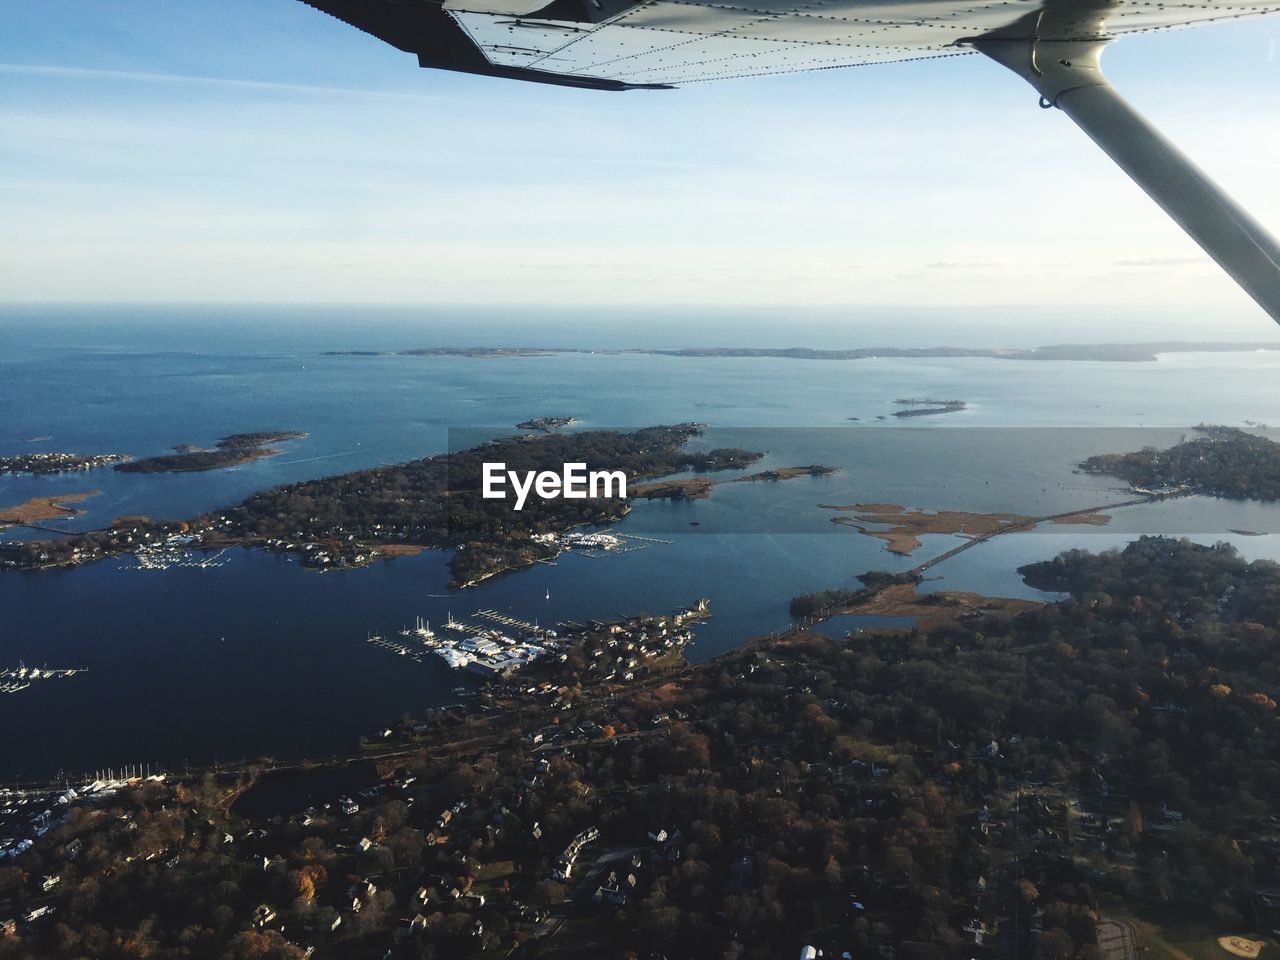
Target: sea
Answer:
[[259, 657]]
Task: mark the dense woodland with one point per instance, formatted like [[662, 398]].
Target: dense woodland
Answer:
[[1220, 462], [1003, 781]]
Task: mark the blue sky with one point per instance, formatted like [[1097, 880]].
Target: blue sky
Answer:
[[257, 150]]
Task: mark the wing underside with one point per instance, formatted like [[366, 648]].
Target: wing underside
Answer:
[[619, 44]]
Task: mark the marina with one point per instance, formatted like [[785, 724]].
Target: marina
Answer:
[[173, 553], [19, 678], [497, 654], [602, 543]]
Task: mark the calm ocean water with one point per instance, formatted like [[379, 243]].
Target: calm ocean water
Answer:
[[260, 657]]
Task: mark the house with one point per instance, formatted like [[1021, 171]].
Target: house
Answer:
[[263, 915], [365, 844], [614, 890], [1170, 814]]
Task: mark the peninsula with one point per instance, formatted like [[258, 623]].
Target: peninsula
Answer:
[[435, 502], [230, 451], [1218, 462], [901, 529], [56, 507]]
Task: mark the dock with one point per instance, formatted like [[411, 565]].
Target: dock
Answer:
[[607, 542], [165, 556], [523, 626], [397, 648], [19, 678], [461, 626]]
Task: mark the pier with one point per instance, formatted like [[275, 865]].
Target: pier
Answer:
[[167, 555], [461, 626], [397, 648], [523, 626], [607, 542]]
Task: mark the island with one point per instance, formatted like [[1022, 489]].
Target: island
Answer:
[[480, 353], [350, 520], [51, 463], [230, 451], [545, 424], [928, 408], [1020, 779], [699, 488], [1219, 462]]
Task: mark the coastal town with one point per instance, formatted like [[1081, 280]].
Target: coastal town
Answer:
[[992, 779], [791, 798]]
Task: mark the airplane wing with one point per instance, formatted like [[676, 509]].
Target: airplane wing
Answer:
[[1055, 45], [620, 44]]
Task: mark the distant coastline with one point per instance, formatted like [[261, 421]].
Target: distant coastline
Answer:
[[1106, 352]]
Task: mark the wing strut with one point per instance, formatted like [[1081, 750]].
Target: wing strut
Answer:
[[1068, 75]]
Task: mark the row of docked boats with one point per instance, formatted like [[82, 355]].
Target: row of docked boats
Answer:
[[19, 678]]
